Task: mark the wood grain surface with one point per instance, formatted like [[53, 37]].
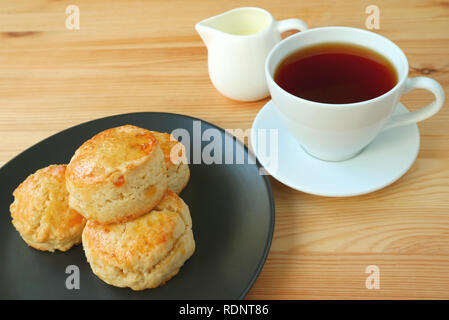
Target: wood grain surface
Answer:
[[146, 56]]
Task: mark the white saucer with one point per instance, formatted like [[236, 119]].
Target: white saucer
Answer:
[[384, 161]]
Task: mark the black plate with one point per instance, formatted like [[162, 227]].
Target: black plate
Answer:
[[231, 205]]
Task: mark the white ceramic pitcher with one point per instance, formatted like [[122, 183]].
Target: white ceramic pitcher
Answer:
[[238, 41]]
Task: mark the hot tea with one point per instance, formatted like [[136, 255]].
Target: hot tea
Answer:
[[336, 73]]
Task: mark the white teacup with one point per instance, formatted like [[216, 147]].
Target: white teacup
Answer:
[[337, 132]]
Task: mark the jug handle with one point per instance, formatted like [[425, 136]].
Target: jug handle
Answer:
[[291, 24]]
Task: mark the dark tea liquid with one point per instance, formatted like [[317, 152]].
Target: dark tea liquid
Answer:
[[336, 73]]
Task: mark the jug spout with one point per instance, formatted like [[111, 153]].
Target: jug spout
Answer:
[[206, 33], [236, 22]]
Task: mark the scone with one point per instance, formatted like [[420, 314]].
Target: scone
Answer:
[[145, 252], [41, 212], [117, 175], [178, 172]]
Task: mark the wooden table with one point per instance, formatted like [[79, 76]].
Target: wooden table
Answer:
[[146, 56]]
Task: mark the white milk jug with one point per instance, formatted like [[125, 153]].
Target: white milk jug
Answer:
[[238, 41]]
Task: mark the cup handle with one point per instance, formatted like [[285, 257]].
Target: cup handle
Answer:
[[427, 111], [291, 24]]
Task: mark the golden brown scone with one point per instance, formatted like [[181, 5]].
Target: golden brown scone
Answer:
[[178, 172], [41, 212], [117, 175], [145, 252]]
